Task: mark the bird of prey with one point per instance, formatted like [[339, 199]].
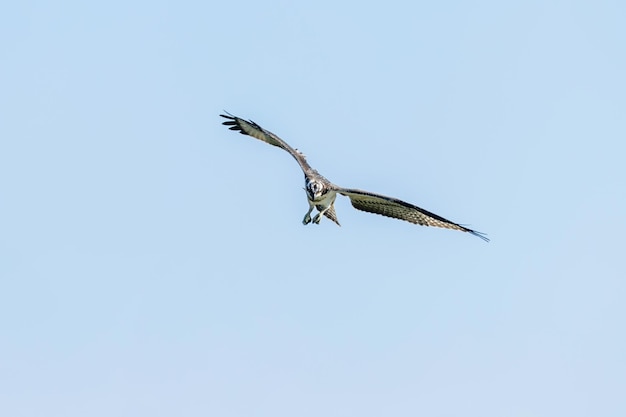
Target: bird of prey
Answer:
[[321, 193]]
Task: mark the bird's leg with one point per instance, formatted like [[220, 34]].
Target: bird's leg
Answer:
[[318, 216], [307, 216]]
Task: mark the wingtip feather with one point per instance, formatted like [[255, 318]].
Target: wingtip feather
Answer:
[[481, 235]]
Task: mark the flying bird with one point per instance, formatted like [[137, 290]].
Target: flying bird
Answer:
[[321, 193]]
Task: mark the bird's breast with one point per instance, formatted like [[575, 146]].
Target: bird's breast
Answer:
[[325, 199]]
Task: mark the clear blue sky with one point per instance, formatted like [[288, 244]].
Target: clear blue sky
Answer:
[[153, 263]]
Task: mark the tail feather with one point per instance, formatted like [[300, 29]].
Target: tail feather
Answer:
[[330, 213]]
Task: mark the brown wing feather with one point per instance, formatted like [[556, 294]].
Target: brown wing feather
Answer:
[[248, 127], [398, 209]]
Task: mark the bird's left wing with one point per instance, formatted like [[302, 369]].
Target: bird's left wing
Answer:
[[248, 127], [398, 209]]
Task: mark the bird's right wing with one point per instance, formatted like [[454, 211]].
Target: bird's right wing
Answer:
[[398, 209], [248, 127]]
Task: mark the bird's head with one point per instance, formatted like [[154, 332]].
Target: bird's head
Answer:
[[314, 190]]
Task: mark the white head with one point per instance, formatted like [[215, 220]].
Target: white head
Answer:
[[314, 189]]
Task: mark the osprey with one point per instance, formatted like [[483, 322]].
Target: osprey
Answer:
[[321, 193]]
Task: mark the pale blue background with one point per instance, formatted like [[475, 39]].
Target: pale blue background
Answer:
[[153, 263]]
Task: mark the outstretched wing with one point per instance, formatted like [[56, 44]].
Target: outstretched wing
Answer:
[[398, 209], [248, 127]]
